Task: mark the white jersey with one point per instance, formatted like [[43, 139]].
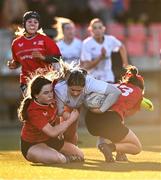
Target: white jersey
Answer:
[[92, 49], [63, 97], [70, 52]]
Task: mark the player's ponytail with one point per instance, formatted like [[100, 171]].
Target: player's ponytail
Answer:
[[22, 111]]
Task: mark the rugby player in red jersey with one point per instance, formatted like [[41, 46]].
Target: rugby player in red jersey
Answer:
[[41, 134], [109, 123], [32, 50]]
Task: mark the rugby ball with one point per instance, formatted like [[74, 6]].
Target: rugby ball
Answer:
[[94, 100]]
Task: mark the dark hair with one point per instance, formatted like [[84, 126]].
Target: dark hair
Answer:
[[77, 78], [34, 88], [132, 76], [29, 15]]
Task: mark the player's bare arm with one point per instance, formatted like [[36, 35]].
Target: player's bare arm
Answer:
[[123, 53]]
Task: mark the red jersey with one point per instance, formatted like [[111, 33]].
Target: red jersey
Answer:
[[23, 47], [38, 117], [129, 101]]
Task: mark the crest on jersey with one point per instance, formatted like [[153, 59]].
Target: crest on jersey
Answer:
[[20, 44], [45, 113]]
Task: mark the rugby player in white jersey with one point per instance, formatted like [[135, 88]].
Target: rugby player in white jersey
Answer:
[[97, 50], [69, 45]]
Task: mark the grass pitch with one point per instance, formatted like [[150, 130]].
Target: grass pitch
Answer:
[[145, 166]]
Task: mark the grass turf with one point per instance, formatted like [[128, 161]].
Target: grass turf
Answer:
[[146, 165]]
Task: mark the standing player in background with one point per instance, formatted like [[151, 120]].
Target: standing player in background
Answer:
[[97, 50], [69, 45], [96, 53], [32, 50]]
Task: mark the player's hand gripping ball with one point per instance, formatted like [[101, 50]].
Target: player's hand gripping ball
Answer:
[[147, 104]]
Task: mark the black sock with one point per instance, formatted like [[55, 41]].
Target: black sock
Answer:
[[112, 147]]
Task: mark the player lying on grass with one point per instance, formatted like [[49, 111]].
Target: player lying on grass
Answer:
[[109, 124], [41, 136]]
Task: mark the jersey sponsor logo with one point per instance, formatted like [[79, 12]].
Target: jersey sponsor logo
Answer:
[[30, 50], [41, 42], [26, 57]]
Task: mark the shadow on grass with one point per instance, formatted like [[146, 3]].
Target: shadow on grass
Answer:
[[98, 165]]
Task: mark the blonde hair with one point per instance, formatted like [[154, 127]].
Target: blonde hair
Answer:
[[93, 21], [21, 31], [60, 21]]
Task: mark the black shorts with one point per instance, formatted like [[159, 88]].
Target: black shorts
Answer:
[[54, 143], [107, 125]]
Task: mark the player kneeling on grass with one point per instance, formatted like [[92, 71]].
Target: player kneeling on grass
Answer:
[[41, 136], [109, 123]]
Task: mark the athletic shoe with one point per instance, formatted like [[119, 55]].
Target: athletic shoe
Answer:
[[121, 157], [74, 158], [105, 149]]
